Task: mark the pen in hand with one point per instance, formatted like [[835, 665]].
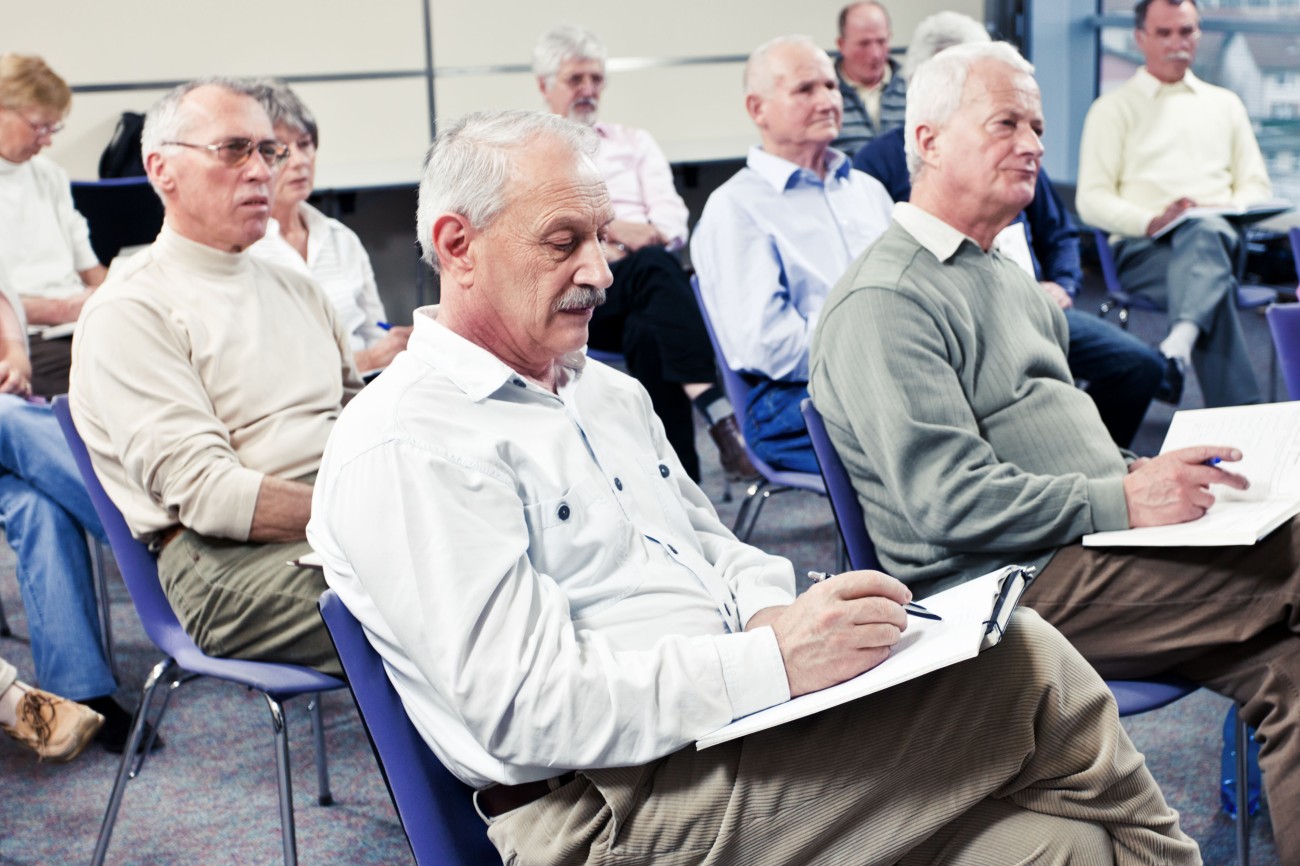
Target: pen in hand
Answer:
[[912, 608]]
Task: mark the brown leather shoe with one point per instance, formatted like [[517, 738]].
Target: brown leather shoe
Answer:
[[731, 450], [53, 727]]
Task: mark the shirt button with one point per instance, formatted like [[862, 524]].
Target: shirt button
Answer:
[[618, 483], [563, 511], [663, 469]]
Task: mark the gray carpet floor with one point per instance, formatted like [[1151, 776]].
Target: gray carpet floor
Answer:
[[209, 796]]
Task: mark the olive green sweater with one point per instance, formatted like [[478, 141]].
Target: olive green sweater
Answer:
[[944, 385]]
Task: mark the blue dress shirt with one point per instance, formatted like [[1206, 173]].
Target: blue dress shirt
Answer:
[[769, 245]]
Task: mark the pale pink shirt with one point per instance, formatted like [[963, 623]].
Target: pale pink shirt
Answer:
[[640, 181]]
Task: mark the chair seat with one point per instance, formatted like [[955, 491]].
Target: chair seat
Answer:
[[1143, 696]]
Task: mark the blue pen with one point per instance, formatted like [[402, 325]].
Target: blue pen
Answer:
[[384, 325], [1214, 461], [912, 608]]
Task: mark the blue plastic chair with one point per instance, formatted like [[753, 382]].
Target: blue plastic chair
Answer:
[[184, 661], [1248, 297], [771, 481], [436, 808], [1284, 323], [1133, 697]]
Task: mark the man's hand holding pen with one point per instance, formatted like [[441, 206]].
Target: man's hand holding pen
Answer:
[[1175, 487], [838, 628]]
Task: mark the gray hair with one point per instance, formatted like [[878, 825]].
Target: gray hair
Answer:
[[167, 121], [758, 68], [565, 42], [935, 91], [937, 32], [469, 165], [843, 20], [285, 108]]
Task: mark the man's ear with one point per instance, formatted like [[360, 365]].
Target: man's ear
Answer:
[[927, 143], [453, 244], [160, 172], [541, 85], [754, 107]]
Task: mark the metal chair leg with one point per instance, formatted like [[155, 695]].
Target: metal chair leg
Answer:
[[285, 784], [1243, 791], [124, 772], [323, 795]]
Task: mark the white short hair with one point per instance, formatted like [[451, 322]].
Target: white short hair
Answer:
[[936, 89], [565, 42], [758, 68], [167, 120], [937, 32], [469, 165]]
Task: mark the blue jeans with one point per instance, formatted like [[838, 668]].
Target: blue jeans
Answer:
[[46, 512], [774, 426], [1123, 373]]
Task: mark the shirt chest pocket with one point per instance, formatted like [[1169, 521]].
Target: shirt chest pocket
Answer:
[[581, 539]]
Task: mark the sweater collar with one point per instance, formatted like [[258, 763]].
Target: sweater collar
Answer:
[[202, 258], [1151, 86]]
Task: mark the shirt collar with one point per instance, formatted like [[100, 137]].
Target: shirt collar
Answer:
[[471, 368], [783, 174], [930, 232], [1149, 85]]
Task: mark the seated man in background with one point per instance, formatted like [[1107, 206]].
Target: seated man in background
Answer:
[[871, 88], [205, 382], [303, 239], [775, 237], [1122, 373], [1153, 147], [44, 243], [939, 366], [46, 514], [649, 314], [563, 613]]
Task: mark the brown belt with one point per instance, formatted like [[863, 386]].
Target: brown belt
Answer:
[[500, 799], [166, 537]]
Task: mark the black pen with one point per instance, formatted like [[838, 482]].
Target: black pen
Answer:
[[911, 607]]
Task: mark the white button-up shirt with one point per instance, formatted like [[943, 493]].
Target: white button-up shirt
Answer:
[[548, 588]]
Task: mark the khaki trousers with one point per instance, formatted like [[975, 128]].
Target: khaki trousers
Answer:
[[1016, 756], [1225, 617], [242, 600]]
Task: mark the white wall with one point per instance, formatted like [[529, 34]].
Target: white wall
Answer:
[[377, 130]]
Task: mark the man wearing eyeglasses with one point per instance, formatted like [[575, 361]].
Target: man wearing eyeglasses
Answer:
[[206, 381], [1159, 144]]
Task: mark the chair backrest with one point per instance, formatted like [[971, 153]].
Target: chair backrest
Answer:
[[844, 499], [1284, 322], [138, 566], [1295, 247], [434, 806], [122, 212], [733, 383]]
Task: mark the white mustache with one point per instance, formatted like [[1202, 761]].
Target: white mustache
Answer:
[[580, 298], [1179, 55]]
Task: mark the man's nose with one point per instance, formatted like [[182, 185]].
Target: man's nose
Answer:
[[593, 269]]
